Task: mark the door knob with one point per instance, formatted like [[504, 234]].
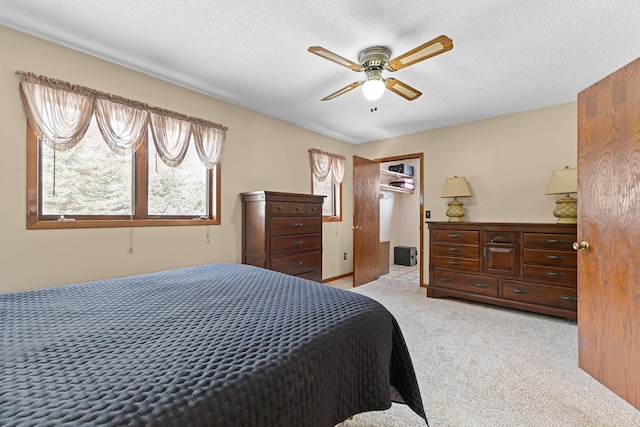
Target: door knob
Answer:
[[582, 245]]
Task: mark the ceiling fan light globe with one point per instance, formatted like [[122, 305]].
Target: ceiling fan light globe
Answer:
[[373, 89]]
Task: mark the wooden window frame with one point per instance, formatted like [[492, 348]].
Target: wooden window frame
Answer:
[[35, 220]]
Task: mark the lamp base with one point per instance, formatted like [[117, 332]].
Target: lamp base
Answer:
[[455, 211], [566, 210]]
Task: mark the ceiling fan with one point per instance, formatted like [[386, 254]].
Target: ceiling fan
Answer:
[[374, 60]]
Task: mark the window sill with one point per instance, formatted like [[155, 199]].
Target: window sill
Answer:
[[331, 219], [83, 223]]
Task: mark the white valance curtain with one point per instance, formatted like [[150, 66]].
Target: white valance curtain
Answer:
[[323, 163], [60, 114]]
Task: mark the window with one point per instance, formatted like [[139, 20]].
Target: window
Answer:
[[94, 160], [332, 206], [91, 186], [327, 171]]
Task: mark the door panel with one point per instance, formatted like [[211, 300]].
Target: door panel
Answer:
[[366, 220], [609, 220]]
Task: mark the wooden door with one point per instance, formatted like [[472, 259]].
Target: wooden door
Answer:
[[609, 221], [366, 220]]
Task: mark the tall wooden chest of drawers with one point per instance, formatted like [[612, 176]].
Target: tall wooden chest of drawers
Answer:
[[283, 232], [530, 267]]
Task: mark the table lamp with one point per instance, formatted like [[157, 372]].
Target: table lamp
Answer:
[[455, 187], [564, 181]]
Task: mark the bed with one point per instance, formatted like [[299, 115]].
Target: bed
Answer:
[[211, 345]]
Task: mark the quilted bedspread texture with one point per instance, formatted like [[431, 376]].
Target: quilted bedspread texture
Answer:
[[212, 345]]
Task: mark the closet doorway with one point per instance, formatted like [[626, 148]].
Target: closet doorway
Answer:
[[401, 209], [366, 242]]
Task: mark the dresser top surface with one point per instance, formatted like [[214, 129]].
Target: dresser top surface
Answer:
[[504, 226], [281, 196]]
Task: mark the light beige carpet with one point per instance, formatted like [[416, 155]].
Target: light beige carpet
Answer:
[[479, 365]]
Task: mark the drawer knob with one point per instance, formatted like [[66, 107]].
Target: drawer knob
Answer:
[[568, 298], [559, 257], [455, 249], [519, 291], [581, 246], [297, 224], [445, 280], [297, 208], [481, 285], [455, 236], [297, 242], [454, 262], [297, 263]]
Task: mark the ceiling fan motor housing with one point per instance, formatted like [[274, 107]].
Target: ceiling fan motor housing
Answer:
[[374, 58]]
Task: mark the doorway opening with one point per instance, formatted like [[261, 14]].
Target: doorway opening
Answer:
[[401, 207]]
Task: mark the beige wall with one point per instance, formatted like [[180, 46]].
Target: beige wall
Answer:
[[507, 161], [260, 153]]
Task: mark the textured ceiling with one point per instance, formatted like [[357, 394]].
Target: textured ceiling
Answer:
[[508, 55]]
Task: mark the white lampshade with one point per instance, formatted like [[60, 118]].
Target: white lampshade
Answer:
[[373, 87], [456, 187], [563, 181]]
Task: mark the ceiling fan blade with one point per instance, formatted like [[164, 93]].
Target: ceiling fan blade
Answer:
[[432, 48], [341, 91], [327, 54], [402, 89]]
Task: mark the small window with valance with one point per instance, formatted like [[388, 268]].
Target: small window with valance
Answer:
[[327, 173]]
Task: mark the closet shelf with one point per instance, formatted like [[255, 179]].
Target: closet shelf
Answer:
[[386, 187], [392, 173]]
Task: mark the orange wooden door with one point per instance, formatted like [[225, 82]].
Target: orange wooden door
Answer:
[[609, 221], [366, 220]]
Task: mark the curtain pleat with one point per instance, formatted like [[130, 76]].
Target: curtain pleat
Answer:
[[209, 144], [60, 118], [123, 127], [320, 164], [338, 163], [171, 137], [323, 163]]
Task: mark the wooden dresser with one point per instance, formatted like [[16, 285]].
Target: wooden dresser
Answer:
[[283, 232], [525, 266]]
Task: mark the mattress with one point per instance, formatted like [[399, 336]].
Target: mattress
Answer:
[[211, 345]]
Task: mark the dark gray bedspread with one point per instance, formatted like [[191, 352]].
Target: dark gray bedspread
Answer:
[[213, 345]]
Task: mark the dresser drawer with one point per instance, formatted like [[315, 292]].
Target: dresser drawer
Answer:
[[295, 225], [467, 283], [457, 236], [462, 264], [555, 296], [549, 257], [296, 208], [501, 237], [296, 264], [463, 251], [295, 243], [279, 208], [549, 241], [567, 276], [313, 209]]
